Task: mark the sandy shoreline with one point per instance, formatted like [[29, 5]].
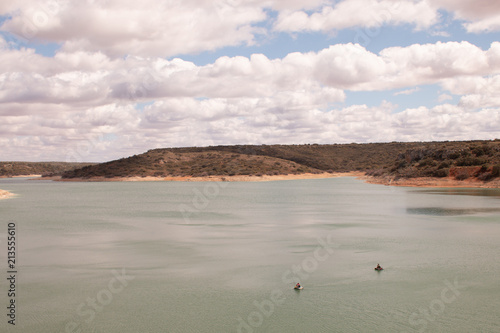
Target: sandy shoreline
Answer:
[[237, 178], [22, 176], [5, 194], [411, 182]]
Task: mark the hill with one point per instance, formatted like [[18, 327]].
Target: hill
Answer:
[[172, 163], [251, 160], [11, 169], [395, 160], [478, 160]]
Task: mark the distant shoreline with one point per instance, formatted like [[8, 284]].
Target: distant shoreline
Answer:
[[430, 182], [235, 178], [22, 176], [446, 182]]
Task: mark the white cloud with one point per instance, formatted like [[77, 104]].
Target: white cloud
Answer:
[[407, 91], [486, 25], [476, 91], [148, 27], [471, 9], [114, 131], [348, 65], [311, 79], [477, 16], [161, 28], [352, 67], [60, 104], [428, 63], [480, 15], [168, 28], [444, 97], [359, 13], [445, 122]]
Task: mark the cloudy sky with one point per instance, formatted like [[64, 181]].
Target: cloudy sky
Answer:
[[96, 80]]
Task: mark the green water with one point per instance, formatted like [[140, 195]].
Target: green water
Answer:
[[223, 257]]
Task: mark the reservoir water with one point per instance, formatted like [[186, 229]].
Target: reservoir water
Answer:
[[224, 257]]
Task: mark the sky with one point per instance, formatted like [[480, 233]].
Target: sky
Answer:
[[93, 81]]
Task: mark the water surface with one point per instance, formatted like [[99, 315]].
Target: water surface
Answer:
[[223, 257]]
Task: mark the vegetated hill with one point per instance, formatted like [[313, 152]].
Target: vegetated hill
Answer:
[[335, 157], [163, 163], [249, 160], [458, 160], [395, 159], [10, 169]]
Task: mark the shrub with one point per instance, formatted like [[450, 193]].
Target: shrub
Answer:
[[462, 175], [444, 164], [427, 162], [485, 176], [470, 161], [495, 171], [483, 150], [441, 173]]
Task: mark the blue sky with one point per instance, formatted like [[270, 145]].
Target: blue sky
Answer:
[[94, 81]]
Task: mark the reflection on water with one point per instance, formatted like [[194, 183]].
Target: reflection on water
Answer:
[[440, 211], [482, 192]]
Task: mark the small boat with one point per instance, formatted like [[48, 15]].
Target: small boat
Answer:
[[298, 288], [378, 269]]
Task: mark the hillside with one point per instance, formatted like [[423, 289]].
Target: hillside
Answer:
[[478, 160], [336, 157], [11, 169], [395, 160], [163, 163], [247, 160]]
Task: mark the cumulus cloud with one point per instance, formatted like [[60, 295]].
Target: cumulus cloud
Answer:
[[476, 91], [446, 122], [115, 131], [149, 27], [350, 66], [88, 106], [359, 13], [310, 79], [479, 15], [153, 28]]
